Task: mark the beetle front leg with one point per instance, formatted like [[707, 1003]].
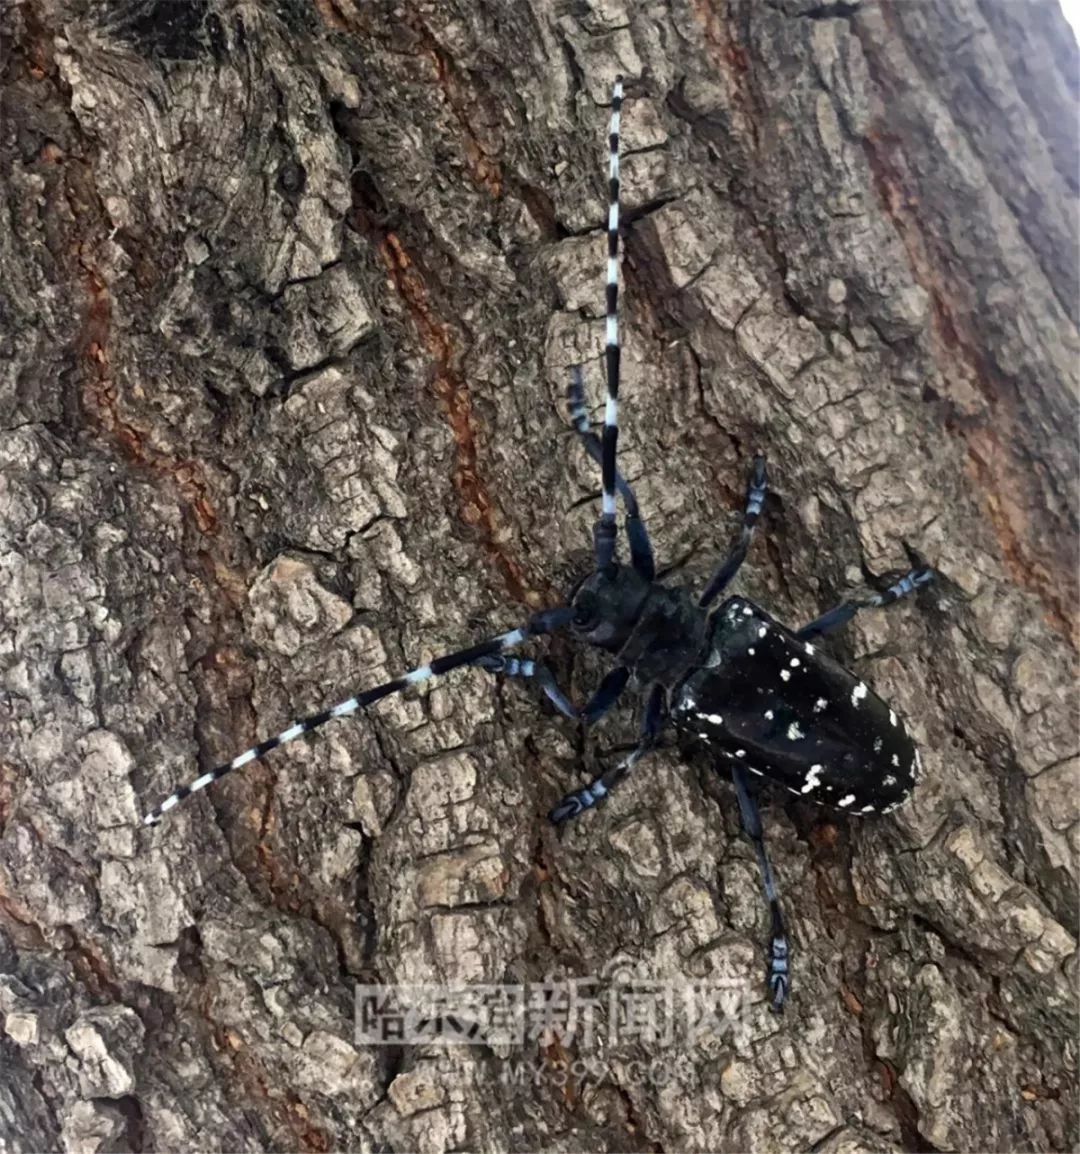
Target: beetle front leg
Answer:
[[606, 695], [779, 974], [585, 798], [755, 501], [641, 554]]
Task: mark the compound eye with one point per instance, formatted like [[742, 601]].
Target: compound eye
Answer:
[[585, 610]]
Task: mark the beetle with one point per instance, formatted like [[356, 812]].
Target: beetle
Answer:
[[764, 699]]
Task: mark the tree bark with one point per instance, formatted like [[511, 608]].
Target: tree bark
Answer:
[[288, 297]]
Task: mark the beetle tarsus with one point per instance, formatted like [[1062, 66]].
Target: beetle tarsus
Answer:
[[779, 973]]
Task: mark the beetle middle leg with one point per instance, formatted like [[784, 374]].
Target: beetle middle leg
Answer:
[[841, 614], [779, 976], [585, 798]]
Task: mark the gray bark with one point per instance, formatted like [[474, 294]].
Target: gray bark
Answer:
[[288, 293]]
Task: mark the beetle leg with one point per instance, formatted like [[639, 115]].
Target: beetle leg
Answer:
[[641, 554], [841, 614], [606, 695], [779, 976], [586, 797], [755, 500]]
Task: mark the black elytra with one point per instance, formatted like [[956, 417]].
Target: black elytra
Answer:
[[789, 712], [763, 699]]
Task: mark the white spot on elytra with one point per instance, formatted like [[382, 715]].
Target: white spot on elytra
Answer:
[[794, 733], [845, 801], [769, 714], [820, 705], [753, 770], [877, 744], [811, 781], [858, 693], [785, 675], [712, 718], [795, 663], [740, 753], [888, 779], [896, 761], [747, 611], [751, 651], [867, 809], [892, 717], [762, 631], [809, 648]]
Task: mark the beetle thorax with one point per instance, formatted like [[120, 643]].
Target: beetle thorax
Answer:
[[658, 633], [669, 638]]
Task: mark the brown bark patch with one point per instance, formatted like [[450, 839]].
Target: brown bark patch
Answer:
[[438, 340]]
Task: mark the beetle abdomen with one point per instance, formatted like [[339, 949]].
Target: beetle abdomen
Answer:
[[789, 712]]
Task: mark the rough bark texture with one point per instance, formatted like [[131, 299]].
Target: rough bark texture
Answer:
[[288, 292]]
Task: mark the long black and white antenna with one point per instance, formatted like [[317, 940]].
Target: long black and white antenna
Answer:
[[606, 534], [544, 622]]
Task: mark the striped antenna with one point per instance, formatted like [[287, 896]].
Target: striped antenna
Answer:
[[640, 548], [543, 622], [611, 349]]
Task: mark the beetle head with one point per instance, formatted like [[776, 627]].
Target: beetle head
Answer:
[[607, 605]]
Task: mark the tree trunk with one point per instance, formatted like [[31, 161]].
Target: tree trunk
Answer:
[[288, 296]]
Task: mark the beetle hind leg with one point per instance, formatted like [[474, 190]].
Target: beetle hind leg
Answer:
[[841, 614], [777, 954]]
